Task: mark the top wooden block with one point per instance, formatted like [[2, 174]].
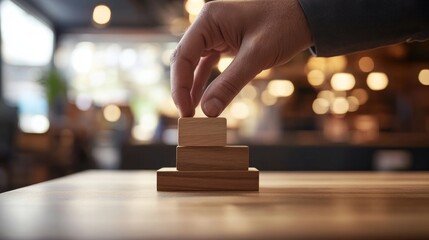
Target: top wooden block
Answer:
[[202, 132]]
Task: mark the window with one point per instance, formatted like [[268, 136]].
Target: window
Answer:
[[27, 46]]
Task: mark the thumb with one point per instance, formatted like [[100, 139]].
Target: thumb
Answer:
[[229, 83]]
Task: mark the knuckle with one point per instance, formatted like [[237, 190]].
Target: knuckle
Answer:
[[181, 58], [173, 57], [174, 96], [211, 9], [177, 94], [229, 89]]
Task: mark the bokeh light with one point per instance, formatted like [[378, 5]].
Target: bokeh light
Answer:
[[82, 57], [340, 105], [320, 106], [240, 110], [337, 63], [141, 133], [83, 101], [329, 65], [101, 14], [193, 7], [318, 63], [112, 113], [145, 129], [353, 103], [366, 64], [34, 124], [377, 81], [264, 74], [224, 63], [280, 88], [424, 77], [343, 81], [249, 92], [268, 99], [326, 94], [127, 58], [316, 77]]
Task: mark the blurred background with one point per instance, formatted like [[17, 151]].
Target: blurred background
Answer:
[[85, 85]]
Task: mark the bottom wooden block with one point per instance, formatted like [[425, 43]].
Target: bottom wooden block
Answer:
[[170, 179]]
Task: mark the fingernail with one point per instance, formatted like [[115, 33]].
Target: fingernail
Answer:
[[213, 107]]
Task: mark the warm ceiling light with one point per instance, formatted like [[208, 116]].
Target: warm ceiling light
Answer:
[[249, 92], [366, 64], [320, 106], [424, 76], [353, 103], [316, 63], [280, 88], [316, 77], [101, 14], [326, 94], [336, 64], [340, 106], [264, 74], [268, 99], [342, 81], [330, 65], [377, 81], [240, 110], [224, 63], [193, 7], [112, 113], [192, 18]]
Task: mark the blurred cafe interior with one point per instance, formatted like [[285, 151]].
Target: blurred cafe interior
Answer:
[[85, 84]]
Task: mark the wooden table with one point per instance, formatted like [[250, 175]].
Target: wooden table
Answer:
[[126, 205]]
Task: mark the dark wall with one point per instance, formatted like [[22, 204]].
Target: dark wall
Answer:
[[281, 157]]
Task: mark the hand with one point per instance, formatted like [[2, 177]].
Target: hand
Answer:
[[261, 34]]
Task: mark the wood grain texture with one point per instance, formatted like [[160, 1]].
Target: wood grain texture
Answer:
[[212, 158], [289, 205], [202, 131], [170, 179]]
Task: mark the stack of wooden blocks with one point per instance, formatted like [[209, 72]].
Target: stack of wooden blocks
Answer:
[[205, 163]]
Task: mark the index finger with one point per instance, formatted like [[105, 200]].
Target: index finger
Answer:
[[183, 63]]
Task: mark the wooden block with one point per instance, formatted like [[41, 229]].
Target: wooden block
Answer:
[[212, 158], [170, 179], [202, 132]]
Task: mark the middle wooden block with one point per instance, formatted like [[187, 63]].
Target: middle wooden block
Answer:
[[212, 158]]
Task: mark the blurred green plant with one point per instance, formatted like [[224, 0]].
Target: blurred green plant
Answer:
[[54, 86]]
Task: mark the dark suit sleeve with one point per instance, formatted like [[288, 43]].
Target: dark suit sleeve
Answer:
[[346, 26]]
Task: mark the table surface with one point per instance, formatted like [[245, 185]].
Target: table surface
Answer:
[[126, 205]]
